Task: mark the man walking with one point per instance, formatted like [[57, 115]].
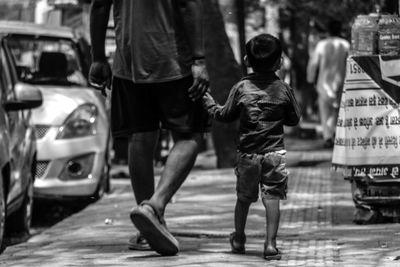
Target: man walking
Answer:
[[326, 68], [159, 74]]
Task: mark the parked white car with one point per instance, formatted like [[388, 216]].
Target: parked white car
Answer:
[[72, 125]]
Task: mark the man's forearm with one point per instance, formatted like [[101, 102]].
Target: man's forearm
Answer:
[[192, 15], [99, 15]]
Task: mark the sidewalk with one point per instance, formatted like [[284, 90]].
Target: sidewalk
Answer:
[[316, 227]]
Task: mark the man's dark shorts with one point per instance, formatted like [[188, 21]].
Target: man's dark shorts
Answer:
[[267, 172], [142, 107]]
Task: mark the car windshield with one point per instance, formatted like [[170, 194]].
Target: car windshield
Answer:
[[47, 61]]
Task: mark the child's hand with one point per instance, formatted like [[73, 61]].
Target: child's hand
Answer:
[[201, 81]]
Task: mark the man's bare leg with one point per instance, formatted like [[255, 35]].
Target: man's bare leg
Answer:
[[148, 217], [179, 163], [140, 157]]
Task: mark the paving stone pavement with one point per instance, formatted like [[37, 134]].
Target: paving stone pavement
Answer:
[[316, 227]]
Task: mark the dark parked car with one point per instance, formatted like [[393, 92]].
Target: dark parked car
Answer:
[[17, 148]]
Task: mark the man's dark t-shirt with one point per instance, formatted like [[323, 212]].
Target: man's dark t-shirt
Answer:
[[151, 42]]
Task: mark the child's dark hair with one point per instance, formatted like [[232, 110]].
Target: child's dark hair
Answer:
[[263, 51]]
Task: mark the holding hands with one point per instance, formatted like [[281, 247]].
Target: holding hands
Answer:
[[201, 80]]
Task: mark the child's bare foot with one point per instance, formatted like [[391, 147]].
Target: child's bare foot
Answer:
[[272, 253]]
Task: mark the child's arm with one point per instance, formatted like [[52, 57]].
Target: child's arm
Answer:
[[293, 113], [227, 113]]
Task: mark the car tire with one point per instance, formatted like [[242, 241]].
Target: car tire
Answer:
[[20, 221], [106, 178], [107, 167], [101, 189], [3, 215]]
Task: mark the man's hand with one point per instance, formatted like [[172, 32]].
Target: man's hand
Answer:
[[201, 81], [100, 75]]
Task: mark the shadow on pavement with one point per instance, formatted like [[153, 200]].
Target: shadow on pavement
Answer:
[[47, 213]]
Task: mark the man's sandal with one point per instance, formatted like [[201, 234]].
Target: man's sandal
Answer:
[[138, 242], [152, 226]]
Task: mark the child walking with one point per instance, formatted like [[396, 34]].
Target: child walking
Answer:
[[264, 104]]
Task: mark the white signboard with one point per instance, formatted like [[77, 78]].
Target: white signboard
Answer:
[[368, 128]]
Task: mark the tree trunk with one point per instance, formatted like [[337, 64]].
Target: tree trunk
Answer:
[[224, 73], [299, 31]]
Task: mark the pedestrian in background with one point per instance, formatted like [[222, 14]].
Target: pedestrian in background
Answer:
[[326, 69], [264, 105], [159, 74]]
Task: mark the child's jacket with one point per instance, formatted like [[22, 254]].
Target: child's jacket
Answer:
[[263, 103]]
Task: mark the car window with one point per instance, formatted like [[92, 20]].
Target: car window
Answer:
[[48, 61], [14, 117]]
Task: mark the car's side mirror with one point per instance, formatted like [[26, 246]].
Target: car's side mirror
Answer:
[[27, 97]]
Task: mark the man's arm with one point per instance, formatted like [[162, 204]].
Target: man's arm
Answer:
[[99, 15], [192, 16], [100, 72]]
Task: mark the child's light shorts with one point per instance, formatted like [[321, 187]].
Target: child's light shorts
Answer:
[[267, 172]]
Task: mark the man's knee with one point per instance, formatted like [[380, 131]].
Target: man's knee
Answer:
[[196, 137], [144, 137]]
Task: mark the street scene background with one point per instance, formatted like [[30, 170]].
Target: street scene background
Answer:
[[317, 220]]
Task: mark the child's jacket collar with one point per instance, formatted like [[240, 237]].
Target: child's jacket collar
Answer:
[[261, 76]]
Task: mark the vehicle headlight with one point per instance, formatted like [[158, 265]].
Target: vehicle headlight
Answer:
[[81, 122]]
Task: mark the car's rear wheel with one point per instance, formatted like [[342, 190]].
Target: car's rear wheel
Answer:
[[107, 179], [3, 212], [107, 167], [103, 187], [20, 221]]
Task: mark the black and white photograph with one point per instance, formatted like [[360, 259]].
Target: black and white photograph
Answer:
[[200, 133]]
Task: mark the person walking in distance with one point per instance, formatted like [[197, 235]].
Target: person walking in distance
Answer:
[[159, 75], [264, 104], [327, 69]]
